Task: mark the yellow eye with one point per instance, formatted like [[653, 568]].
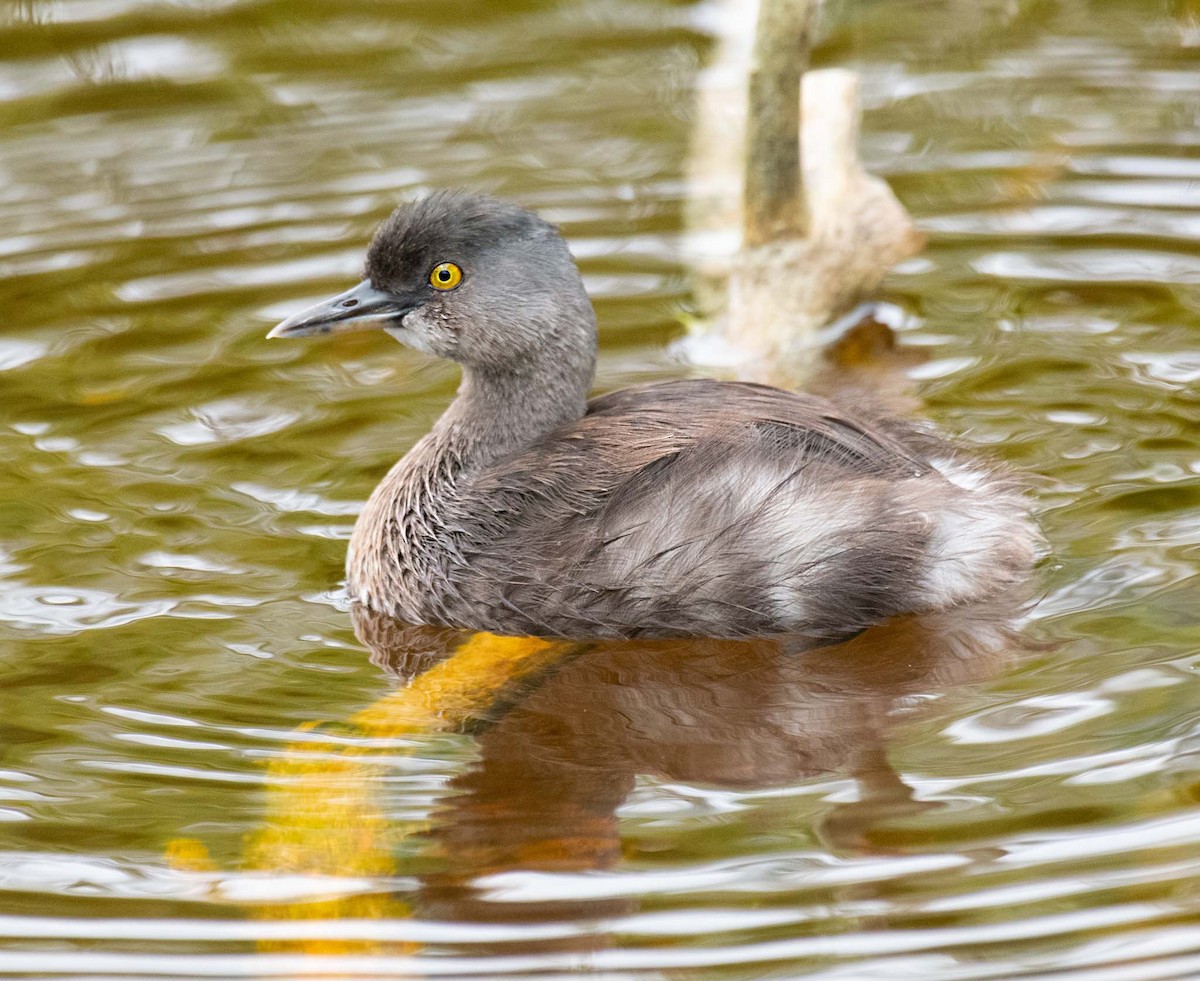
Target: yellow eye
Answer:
[[445, 276]]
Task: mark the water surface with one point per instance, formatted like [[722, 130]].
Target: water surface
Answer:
[[994, 794]]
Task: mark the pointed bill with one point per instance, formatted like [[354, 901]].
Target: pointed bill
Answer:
[[361, 308]]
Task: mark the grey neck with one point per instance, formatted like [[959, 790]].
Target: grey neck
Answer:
[[498, 413], [394, 549]]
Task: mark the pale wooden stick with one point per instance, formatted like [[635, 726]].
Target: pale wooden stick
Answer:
[[786, 289], [774, 185], [818, 233]]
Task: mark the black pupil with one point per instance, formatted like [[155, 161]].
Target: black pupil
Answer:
[[444, 275]]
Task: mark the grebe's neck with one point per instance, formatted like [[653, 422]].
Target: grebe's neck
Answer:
[[498, 413], [403, 540]]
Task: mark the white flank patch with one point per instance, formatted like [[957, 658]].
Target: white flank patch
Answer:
[[983, 540], [960, 474]]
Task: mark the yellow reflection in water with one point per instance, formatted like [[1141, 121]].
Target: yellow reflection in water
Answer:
[[323, 817], [564, 741]]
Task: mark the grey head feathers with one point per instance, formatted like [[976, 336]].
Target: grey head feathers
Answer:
[[422, 233], [520, 303]]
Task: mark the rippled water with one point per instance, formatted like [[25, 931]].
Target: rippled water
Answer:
[[990, 795]]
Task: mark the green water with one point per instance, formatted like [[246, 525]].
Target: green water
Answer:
[[177, 492]]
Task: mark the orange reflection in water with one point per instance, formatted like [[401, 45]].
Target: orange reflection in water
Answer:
[[563, 730]]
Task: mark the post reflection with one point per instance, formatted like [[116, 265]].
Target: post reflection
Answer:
[[563, 730], [559, 752]]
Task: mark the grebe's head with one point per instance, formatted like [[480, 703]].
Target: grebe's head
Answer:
[[469, 278]]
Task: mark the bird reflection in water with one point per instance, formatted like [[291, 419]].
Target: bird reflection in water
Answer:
[[563, 730]]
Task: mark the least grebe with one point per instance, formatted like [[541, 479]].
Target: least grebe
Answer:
[[684, 508]]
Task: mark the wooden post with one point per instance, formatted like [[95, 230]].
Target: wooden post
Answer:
[[775, 156], [783, 290], [774, 190]]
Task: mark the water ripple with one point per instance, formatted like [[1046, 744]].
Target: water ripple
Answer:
[[65, 610], [174, 177]]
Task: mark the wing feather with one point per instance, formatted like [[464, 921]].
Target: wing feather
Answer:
[[704, 508]]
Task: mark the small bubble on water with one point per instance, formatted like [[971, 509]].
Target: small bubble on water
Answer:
[[61, 599]]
